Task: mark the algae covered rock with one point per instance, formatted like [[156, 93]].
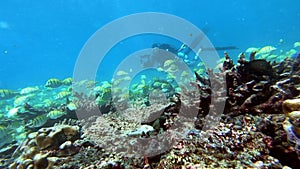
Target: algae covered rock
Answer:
[[291, 125], [41, 147], [291, 109], [291, 105]]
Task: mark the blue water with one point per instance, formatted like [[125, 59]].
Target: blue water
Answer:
[[41, 40]]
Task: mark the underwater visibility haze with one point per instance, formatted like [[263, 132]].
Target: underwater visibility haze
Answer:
[[149, 84]]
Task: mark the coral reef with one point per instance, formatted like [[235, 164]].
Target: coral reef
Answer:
[[244, 116], [226, 146], [236, 144], [258, 87], [43, 148]]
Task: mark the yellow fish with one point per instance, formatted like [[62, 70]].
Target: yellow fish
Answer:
[[156, 84], [55, 114], [160, 69], [252, 49], [90, 83], [121, 73], [168, 62], [184, 74], [106, 84], [71, 106], [127, 78], [67, 81], [7, 94], [39, 121], [266, 50], [296, 44], [172, 69], [53, 83], [19, 101], [63, 94], [28, 90], [290, 52]]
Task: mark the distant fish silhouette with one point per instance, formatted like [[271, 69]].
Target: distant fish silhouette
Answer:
[[226, 48], [174, 50], [166, 47], [185, 49]]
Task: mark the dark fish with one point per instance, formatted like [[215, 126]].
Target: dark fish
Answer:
[[259, 67]]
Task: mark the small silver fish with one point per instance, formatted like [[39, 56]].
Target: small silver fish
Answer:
[[13, 112]]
